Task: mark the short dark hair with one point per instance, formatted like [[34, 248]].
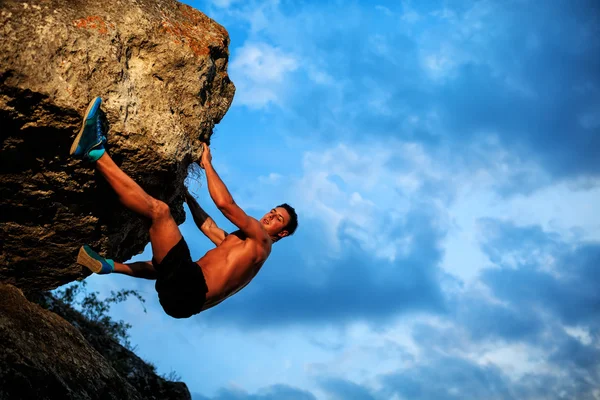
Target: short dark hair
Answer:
[[293, 222]]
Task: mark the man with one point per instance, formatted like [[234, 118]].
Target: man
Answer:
[[184, 287]]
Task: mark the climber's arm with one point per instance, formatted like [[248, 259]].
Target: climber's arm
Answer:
[[224, 201], [204, 222]]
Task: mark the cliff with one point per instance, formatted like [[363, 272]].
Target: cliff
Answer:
[[45, 357], [161, 69]]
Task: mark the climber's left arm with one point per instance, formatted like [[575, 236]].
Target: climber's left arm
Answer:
[[203, 221]]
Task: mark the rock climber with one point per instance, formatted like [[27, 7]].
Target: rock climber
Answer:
[[184, 287]]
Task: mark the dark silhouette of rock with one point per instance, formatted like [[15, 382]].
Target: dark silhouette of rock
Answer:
[[42, 356], [161, 69]]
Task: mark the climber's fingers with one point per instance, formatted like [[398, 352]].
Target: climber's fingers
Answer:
[[206, 157]]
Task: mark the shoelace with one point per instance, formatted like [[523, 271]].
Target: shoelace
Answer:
[[99, 131]]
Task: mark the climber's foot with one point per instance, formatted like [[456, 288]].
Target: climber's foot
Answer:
[[94, 262], [89, 143]]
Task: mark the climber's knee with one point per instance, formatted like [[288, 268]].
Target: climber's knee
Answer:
[[160, 210]]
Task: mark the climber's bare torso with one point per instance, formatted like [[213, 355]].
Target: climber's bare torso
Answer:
[[239, 256], [232, 265]]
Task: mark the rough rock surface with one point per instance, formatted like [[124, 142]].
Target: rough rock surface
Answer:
[[42, 356], [161, 68]]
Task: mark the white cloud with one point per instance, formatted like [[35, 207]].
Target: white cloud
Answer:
[[409, 15], [352, 188], [259, 71], [457, 38], [556, 208], [590, 120], [398, 347], [288, 40], [384, 10], [271, 179], [580, 333], [357, 190], [440, 63], [223, 3], [319, 75]]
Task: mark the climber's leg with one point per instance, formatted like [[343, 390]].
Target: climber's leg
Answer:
[[100, 265], [138, 269], [164, 233], [129, 192], [89, 145]]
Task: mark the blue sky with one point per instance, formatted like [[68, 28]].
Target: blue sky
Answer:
[[443, 160]]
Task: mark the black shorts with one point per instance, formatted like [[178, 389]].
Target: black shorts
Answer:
[[180, 283]]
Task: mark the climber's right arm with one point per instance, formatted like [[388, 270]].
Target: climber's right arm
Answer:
[[223, 200], [203, 221]]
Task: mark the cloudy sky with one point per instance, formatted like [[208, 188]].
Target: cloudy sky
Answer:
[[443, 157]]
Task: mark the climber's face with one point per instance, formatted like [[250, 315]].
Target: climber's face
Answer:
[[275, 221]]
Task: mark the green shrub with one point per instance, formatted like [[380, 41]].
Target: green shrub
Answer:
[[96, 310]]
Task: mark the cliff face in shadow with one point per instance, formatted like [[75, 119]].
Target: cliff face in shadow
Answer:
[[45, 357], [161, 69]]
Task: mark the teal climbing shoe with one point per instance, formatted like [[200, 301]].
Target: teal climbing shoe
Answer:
[[89, 143], [94, 262]]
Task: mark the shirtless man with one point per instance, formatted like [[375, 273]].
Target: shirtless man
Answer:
[[184, 287]]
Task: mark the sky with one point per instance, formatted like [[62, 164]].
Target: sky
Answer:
[[443, 160]]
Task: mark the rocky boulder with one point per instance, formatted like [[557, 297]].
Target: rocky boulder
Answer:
[[42, 356], [161, 69]]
